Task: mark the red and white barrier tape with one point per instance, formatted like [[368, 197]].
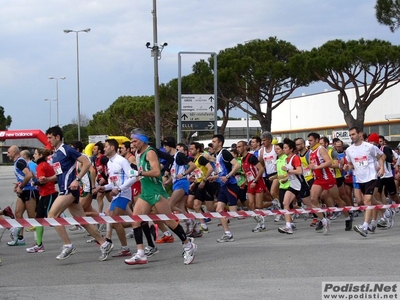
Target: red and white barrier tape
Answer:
[[8, 223]]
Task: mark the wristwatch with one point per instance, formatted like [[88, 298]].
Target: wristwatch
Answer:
[[118, 189], [78, 179], [227, 176]]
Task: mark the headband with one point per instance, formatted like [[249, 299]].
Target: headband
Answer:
[[140, 137]]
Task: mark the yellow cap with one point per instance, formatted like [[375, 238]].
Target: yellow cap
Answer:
[[274, 141]]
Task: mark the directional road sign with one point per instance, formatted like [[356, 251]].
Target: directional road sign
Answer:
[[197, 125], [197, 112]]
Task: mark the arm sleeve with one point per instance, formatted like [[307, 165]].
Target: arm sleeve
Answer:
[[129, 181], [253, 160], [226, 155], [203, 161], [168, 158], [181, 159]]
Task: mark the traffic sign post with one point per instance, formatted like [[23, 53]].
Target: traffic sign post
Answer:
[[197, 112]]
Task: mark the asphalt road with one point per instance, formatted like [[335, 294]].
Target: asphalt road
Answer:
[[265, 265]]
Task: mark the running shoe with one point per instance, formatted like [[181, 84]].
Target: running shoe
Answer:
[[259, 228], [91, 240], [102, 227], [314, 222], [207, 220], [278, 218], [8, 212], [360, 230], [130, 234], [372, 226], [189, 251], [391, 219], [204, 229], [35, 249], [349, 225], [196, 234], [305, 215], [335, 215], [327, 227], [319, 227], [286, 230], [123, 252], [150, 251], [165, 239], [105, 251], [294, 217], [190, 224], [16, 242], [225, 238], [276, 205], [136, 259], [77, 228], [66, 252], [382, 223], [14, 232], [31, 229]]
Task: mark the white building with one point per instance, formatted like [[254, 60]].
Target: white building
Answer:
[[296, 117]]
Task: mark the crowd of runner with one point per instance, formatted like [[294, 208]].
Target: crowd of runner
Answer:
[[254, 175]]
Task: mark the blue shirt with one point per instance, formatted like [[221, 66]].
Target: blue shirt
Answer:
[[64, 164]]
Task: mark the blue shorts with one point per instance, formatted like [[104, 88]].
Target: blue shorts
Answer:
[[119, 202], [355, 183], [182, 184], [228, 194]]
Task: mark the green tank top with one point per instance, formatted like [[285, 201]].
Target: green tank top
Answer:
[[152, 187]]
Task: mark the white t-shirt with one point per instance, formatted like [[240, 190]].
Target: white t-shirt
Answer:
[[363, 158], [118, 176]]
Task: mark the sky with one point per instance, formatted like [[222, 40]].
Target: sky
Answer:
[[114, 60]]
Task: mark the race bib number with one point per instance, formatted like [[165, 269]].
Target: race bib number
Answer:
[[57, 168], [114, 180], [361, 161], [268, 160], [173, 172], [249, 176], [218, 167], [198, 174], [306, 171]]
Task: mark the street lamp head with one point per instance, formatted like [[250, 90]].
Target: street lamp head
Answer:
[[67, 30], [51, 77], [86, 30], [63, 77], [165, 44], [148, 45]]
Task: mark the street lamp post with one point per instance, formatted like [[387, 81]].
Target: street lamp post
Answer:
[[50, 100], [56, 78], [156, 54], [87, 30]]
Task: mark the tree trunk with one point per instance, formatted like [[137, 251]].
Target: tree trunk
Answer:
[[348, 117]]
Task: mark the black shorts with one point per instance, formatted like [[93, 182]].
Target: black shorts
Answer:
[[207, 193], [268, 183], [27, 195], [75, 193], [339, 181], [242, 194], [44, 205], [367, 188], [389, 184]]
